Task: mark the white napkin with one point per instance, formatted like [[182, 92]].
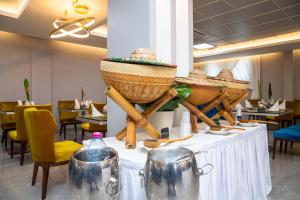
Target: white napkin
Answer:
[[77, 104], [248, 104], [87, 103], [95, 112], [275, 107], [32, 103], [282, 106], [27, 103], [239, 106], [20, 103], [272, 101], [263, 101], [104, 110]]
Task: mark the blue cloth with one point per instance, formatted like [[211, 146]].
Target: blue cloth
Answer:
[[296, 127], [287, 134]]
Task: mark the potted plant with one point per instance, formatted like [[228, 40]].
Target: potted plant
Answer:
[[165, 115]]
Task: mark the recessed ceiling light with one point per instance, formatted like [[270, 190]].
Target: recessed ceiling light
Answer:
[[203, 46], [13, 8]]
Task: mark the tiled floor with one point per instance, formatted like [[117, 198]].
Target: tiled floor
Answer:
[[15, 181]]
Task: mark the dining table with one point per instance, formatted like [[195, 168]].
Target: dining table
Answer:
[[267, 113], [99, 120], [241, 166]]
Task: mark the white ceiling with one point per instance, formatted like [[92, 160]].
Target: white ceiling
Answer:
[[36, 20]]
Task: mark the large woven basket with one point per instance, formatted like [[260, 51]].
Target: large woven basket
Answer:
[[235, 88], [138, 83], [203, 90]]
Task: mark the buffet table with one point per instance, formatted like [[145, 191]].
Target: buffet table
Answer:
[[240, 160]]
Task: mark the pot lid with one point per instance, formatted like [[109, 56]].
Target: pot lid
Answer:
[[198, 77], [227, 75]]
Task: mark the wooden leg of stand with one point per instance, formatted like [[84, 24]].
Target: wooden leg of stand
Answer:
[[198, 113], [171, 93], [215, 102], [131, 134], [194, 123], [132, 112]]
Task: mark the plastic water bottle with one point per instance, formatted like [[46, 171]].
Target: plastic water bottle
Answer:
[[96, 141], [238, 114]]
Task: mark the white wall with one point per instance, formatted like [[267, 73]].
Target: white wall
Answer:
[[56, 70]]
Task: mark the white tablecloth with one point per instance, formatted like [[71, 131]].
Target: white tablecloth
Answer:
[[241, 165]]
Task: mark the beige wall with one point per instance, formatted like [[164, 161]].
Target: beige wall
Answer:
[[56, 70], [276, 68]]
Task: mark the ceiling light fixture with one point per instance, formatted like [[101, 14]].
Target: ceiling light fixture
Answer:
[[203, 46], [76, 28]]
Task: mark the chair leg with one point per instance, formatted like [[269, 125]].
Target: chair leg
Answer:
[[11, 148], [280, 146], [23, 149], [35, 172], [3, 135], [292, 145], [274, 147], [75, 127], [82, 134], [5, 139], [61, 129], [45, 181], [285, 147], [65, 131]]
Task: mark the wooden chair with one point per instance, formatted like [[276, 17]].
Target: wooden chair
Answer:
[[296, 111], [46, 153], [20, 134], [88, 127], [8, 122], [67, 118]]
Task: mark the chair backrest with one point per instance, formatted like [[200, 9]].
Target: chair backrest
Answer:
[[98, 106], [254, 102], [7, 106], [297, 107], [20, 121], [41, 128], [63, 115]]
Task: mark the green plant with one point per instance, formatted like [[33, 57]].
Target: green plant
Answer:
[[270, 90], [27, 89], [183, 92], [82, 94]]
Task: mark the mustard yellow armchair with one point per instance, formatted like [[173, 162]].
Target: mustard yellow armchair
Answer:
[[41, 129], [89, 127], [67, 118], [7, 122], [20, 134]]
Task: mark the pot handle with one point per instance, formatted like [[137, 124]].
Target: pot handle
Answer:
[[201, 170], [142, 175], [110, 187]]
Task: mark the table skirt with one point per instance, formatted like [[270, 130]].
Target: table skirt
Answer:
[[241, 167]]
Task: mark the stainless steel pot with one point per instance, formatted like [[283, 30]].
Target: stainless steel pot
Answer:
[[172, 174], [94, 174]]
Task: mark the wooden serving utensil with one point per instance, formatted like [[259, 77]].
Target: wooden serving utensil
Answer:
[[259, 121], [155, 143], [218, 128]]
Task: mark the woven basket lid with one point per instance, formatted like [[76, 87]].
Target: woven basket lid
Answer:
[[227, 75], [142, 56], [197, 77]]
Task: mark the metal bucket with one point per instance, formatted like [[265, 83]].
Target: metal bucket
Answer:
[[172, 174], [94, 174]]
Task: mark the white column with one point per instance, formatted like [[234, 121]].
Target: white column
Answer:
[[288, 75], [149, 24], [184, 37]]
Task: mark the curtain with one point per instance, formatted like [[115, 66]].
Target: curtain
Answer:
[[245, 68]]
